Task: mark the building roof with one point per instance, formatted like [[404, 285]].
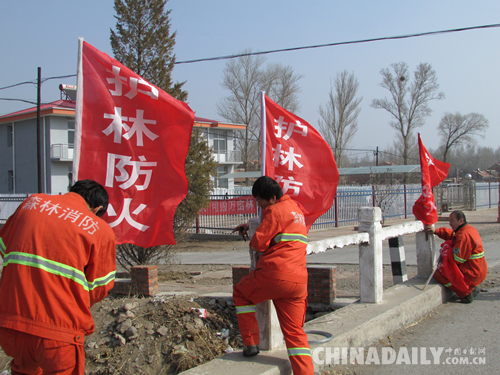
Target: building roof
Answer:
[[344, 171], [380, 169], [207, 123], [67, 108], [58, 107], [494, 167]]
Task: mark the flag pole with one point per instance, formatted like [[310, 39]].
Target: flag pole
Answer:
[[263, 133], [78, 111]]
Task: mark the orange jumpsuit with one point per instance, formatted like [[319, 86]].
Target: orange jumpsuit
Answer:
[[59, 260], [280, 275], [468, 253]]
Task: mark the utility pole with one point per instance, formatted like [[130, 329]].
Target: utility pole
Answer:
[[38, 130], [376, 156]]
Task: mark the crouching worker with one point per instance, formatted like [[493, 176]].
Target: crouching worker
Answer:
[[280, 274], [463, 266], [58, 261]]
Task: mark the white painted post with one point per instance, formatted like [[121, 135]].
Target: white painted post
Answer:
[[398, 260], [424, 253], [271, 336], [370, 255]]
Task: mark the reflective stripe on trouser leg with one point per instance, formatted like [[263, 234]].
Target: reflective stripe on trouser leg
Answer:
[[245, 309], [298, 351], [245, 312]]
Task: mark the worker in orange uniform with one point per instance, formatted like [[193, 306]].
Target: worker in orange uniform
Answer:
[[58, 261], [280, 274], [468, 254]]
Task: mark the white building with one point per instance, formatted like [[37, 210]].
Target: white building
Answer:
[[19, 171]]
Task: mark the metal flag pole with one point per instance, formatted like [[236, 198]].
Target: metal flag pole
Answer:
[[78, 111], [263, 133]]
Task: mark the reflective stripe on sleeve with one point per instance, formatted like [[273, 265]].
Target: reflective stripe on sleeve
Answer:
[[299, 351], [290, 237], [245, 309], [2, 247], [447, 285], [56, 268], [102, 281], [458, 259], [477, 256]]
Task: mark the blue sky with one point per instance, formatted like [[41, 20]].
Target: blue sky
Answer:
[[45, 33]]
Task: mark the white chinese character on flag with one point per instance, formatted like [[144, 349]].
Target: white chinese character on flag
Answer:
[[129, 178]]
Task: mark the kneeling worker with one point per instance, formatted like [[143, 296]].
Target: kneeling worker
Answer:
[[280, 274], [468, 254]]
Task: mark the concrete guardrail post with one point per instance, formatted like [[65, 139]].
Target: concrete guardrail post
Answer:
[[370, 255], [271, 336], [398, 260], [425, 258]]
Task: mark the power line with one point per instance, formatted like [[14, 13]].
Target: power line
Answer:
[[18, 100], [17, 84], [298, 48], [68, 76], [340, 43]]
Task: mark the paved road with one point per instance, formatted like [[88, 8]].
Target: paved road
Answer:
[[346, 255], [464, 339]]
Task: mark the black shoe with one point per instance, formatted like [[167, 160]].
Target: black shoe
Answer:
[[250, 351], [470, 297]]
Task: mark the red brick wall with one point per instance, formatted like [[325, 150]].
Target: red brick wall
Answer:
[[321, 282], [144, 280]]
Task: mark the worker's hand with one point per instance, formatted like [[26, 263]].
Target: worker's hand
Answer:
[[242, 229], [429, 229]]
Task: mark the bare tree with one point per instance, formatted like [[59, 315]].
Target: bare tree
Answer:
[[245, 77], [409, 102], [456, 129], [339, 117], [281, 84]]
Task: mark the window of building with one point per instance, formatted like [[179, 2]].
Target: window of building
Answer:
[[220, 141], [10, 135], [71, 133], [221, 182], [11, 180]]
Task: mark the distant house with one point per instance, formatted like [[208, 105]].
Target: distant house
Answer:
[[18, 148]]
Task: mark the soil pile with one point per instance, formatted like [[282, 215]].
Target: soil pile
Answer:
[[162, 335]]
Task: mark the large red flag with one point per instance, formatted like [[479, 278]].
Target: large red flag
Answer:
[[433, 173], [132, 138], [300, 160]]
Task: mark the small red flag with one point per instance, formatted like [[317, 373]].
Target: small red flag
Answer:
[[132, 138], [433, 173], [300, 160]]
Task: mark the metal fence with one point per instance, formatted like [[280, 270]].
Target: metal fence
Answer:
[[395, 203], [487, 195], [9, 204]]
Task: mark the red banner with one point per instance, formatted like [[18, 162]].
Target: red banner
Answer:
[[134, 141], [433, 173], [235, 206], [300, 160]]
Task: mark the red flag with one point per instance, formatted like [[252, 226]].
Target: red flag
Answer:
[[300, 160], [133, 139], [433, 173]]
